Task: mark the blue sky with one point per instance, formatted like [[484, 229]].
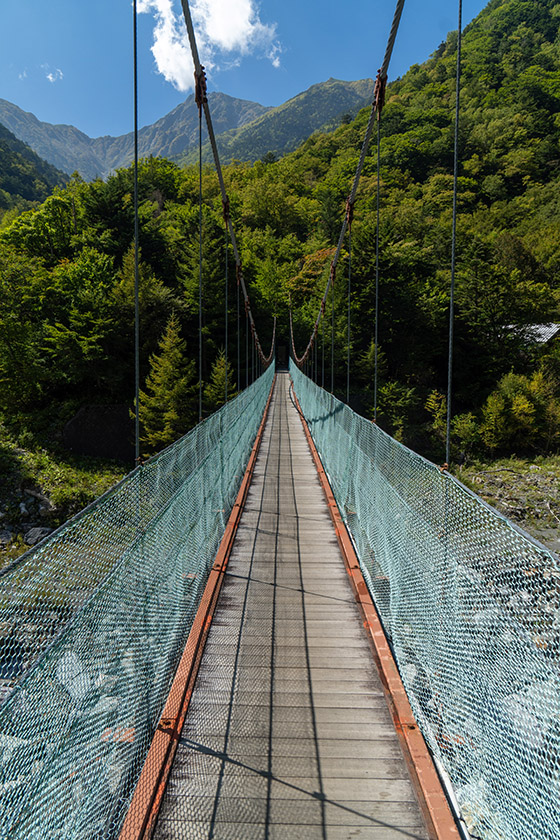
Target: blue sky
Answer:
[[68, 61]]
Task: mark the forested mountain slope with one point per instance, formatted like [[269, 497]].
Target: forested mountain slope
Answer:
[[281, 130], [73, 151], [24, 177], [243, 129]]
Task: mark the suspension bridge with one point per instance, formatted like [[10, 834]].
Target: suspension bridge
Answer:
[[285, 625]]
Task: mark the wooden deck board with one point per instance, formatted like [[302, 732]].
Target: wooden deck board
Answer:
[[288, 734]]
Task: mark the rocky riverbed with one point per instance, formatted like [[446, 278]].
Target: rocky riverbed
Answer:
[[526, 491]]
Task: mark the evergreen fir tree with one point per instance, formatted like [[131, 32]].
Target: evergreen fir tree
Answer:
[[168, 406], [214, 392]]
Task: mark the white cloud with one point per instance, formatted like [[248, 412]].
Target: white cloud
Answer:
[[52, 75], [56, 76], [170, 49], [232, 25], [22, 75], [225, 30]]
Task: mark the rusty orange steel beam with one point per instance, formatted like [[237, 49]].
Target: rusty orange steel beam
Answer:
[[440, 822], [143, 811]]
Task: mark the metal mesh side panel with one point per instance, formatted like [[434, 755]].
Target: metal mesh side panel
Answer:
[[93, 623], [471, 606]]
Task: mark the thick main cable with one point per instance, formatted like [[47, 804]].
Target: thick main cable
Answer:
[[378, 101], [199, 265], [323, 353], [200, 77]]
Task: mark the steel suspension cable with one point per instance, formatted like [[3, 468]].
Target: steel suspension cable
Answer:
[[238, 342], [323, 353], [332, 339], [202, 101], [136, 249], [199, 264], [349, 294], [454, 235], [376, 336], [226, 318], [379, 98]]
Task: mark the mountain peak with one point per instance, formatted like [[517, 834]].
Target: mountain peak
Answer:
[[247, 130]]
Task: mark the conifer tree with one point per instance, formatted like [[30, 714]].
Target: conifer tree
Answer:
[[214, 392], [168, 406]]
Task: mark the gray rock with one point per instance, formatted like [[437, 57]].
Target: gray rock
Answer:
[[72, 674], [23, 509], [5, 538], [44, 501], [35, 535]]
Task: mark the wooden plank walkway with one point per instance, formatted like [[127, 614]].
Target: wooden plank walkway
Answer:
[[288, 736]]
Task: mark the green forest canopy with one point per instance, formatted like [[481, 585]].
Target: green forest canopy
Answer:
[[66, 267], [24, 177]]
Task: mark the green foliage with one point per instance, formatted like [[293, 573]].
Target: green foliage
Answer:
[[47, 231], [24, 178], [396, 407], [465, 433], [65, 483], [23, 282], [79, 340], [436, 406], [69, 483], [507, 252], [215, 390], [522, 414], [156, 304], [168, 405]]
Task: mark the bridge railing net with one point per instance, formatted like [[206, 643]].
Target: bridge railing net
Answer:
[[93, 623], [471, 607]]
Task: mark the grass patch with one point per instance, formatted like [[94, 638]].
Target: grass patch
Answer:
[[69, 483], [50, 484]]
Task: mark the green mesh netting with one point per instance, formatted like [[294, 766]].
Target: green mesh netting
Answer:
[[471, 607], [93, 623]]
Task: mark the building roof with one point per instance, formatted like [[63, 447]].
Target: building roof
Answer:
[[536, 333], [541, 333]]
